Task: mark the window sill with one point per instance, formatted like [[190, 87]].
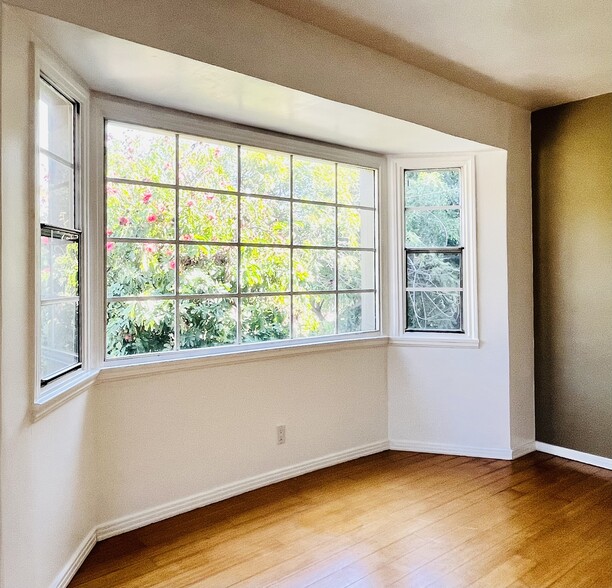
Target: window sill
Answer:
[[148, 367], [434, 340], [62, 392]]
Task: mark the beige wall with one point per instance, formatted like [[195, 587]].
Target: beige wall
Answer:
[[572, 171]]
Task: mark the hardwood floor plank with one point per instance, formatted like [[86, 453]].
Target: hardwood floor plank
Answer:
[[390, 519]]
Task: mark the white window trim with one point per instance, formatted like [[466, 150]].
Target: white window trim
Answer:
[[397, 271], [47, 398], [122, 110]]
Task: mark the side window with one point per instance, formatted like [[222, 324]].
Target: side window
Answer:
[[433, 250], [59, 212]]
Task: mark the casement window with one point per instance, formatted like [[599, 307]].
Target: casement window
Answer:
[[210, 243], [438, 249], [60, 223]]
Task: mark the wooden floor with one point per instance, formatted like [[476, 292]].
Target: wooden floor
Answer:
[[391, 519]]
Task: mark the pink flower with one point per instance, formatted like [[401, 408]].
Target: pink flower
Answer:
[[217, 151], [210, 217], [123, 221], [149, 248], [109, 232], [147, 196], [152, 218], [172, 264], [110, 246], [187, 238], [167, 166], [190, 203], [210, 196], [45, 240], [162, 208]]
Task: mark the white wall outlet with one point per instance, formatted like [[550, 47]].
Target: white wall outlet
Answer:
[[280, 434]]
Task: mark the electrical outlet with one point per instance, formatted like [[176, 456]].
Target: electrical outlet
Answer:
[[280, 434]]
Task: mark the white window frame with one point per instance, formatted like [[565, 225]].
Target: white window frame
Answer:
[[396, 168], [121, 110], [48, 397]]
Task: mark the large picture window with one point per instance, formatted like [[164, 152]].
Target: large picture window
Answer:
[[60, 235], [211, 243]]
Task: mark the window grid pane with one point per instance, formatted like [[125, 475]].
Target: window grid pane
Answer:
[[434, 250], [247, 257]]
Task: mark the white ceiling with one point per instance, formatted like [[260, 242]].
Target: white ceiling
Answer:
[[534, 53], [122, 68]]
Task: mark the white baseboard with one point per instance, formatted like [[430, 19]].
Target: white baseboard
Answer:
[[74, 563], [170, 509], [446, 449], [588, 458]]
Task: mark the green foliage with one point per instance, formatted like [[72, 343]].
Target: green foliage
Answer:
[[433, 198], [149, 267]]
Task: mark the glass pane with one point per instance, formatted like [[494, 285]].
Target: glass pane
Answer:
[[433, 311], [59, 265], [59, 337], [355, 185], [314, 315], [265, 318], [433, 270], [264, 172], [265, 269], [438, 187], [208, 322], [135, 153], [356, 312], [355, 227], [204, 164], [433, 228], [314, 269], [208, 217], [206, 269], [264, 221], [55, 123], [139, 211], [314, 180], [139, 269], [56, 192], [314, 225], [139, 327], [356, 270]]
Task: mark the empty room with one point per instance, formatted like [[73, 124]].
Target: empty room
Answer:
[[306, 293]]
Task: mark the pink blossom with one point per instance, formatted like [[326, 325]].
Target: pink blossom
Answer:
[[147, 196], [210, 196], [110, 246], [210, 217], [149, 248], [167, 166], [109, 232], [45, 240], [187, 238], [152, 218], [123, 221], [112, 190], [162, 208], [217, 151], [190, 203], [172, 264]]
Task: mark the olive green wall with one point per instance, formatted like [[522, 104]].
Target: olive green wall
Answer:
[[572, 195]]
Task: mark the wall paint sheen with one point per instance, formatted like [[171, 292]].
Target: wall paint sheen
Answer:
[[572, 172]]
